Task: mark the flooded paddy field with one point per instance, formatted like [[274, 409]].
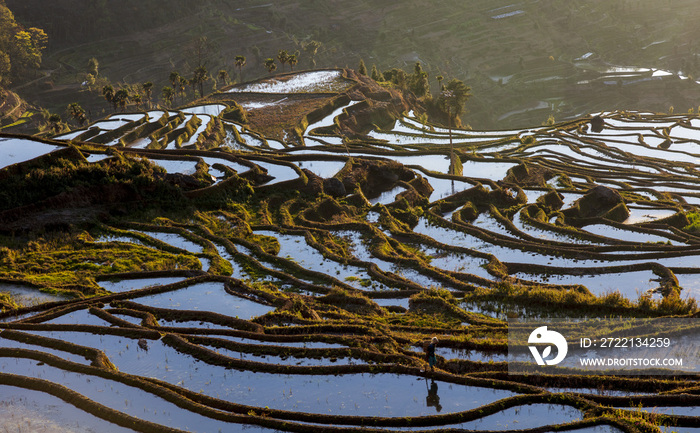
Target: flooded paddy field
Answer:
[[240, 282]]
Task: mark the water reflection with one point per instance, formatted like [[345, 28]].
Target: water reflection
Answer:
[[432, 399]]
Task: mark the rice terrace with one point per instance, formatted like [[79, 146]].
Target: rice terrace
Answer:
[[274, 254]]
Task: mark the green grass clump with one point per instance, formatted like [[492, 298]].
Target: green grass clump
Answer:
[[694, 219], [269, 244], [8, 302], [437, 292]]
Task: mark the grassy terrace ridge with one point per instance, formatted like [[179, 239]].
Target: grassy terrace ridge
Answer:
[[281, 266]]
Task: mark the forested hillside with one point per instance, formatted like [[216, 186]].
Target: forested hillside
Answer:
[[20, 48], [524, 61]]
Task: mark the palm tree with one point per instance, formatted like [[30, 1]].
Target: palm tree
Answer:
[[199, 77], [451, 101], [292, 61], [447, 95], [240, 63], [168, 94], [457, 95], [108, 93], [174, 78], [282, 56], [147, 90], [192, 83], [122, 98], [137, 100], [270, 65], [223, 76], [181, 86]]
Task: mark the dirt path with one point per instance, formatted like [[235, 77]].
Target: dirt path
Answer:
[[17, 101], [47, 74]]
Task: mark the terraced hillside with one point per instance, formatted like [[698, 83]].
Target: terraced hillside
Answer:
[[179, 270]]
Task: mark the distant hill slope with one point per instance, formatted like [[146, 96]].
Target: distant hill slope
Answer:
[[17, 116], [524, 61]]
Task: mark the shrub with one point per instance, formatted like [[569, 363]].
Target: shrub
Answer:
[[694, 219]]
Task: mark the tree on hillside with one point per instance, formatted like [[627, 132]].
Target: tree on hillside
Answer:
[[55, 125], [176, 82], [396, 76], [362, 69], [192, 83], [108, 94], [181, 88], [31, 44], [199, 77], [222, 76], [419, 84], [200, 49], [77, 113], [122, 98], [292, 61], [375, 74], [423, 119], [179, 84], [282, 56], [174, 78], [90, 81], [20, 49], [453, 98], [240, 62], [147, 91], [270, 65], [93, 67], [168, 94], [451, 101], [5, 68], [136, 97], [311, 48]]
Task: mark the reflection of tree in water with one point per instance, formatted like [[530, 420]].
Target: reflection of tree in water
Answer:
[[433, 399]]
